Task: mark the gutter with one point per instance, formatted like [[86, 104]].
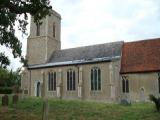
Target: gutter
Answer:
[[74, 62]]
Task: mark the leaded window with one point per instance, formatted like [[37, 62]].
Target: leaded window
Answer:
[[71, 80], [125, 84], [52, 81], [95, 79]]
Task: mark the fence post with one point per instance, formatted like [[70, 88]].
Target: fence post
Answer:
[[45, 100]]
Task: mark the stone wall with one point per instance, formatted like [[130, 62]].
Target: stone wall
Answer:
[[25, 83], [109, 77], [40, 48], [141, 85]]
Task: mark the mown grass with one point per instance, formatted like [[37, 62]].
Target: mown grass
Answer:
[[31, 109]]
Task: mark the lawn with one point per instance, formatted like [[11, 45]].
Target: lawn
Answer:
[[31, 109]]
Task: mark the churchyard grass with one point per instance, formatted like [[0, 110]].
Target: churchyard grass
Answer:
[[31, 109]]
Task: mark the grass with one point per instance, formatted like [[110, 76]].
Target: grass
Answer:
[[31, 109]]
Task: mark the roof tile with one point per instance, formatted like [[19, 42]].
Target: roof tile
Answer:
[[141, 56], [87, 52]]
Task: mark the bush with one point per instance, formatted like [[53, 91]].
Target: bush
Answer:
[[5, 90], [156, 100]]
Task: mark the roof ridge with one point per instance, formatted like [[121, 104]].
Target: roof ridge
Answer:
[[90, 45]]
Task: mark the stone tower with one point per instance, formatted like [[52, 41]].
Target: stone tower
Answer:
[[44, 39]]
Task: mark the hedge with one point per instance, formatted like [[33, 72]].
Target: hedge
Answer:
[[5, 90]]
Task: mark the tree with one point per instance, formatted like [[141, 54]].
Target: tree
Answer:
[[3, 77], [9, 78], [10, 81], [15, 11], [4, 61], [156, 101]]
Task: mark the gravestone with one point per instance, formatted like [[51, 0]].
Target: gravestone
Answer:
[[125, 102], [5, 100], [126, 99], [142, 96], [15, 99]]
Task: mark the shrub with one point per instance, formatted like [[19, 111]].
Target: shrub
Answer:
[[5, 90], [156, 100]]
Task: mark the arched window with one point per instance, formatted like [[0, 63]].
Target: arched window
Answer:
[[159, 82], [125, 84], [54, 30], [95, 78], [38, 29], [71, 80], [52, 81], [38, 89]]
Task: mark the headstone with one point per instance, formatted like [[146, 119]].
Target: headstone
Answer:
[[125, 102], [15, 99], [142, 96], [5, 100]]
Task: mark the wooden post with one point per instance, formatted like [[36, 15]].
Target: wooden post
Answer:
[[45, 100], [45, 110]]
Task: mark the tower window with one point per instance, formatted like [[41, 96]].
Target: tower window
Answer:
[[125, 84], [54, 30], [95, 79], [52, 81], [71, 80], [38, 29]]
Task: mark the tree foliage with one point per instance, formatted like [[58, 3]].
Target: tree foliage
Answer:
[[9, 78], [4, 61], [15, 11], [156, 101]]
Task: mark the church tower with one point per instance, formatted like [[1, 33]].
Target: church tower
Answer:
[[44, 39]]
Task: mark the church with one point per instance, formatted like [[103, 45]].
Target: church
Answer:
[[109, 72]]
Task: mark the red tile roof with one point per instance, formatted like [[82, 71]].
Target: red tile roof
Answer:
[[141, 56]]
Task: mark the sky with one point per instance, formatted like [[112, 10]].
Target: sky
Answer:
[[88, 22]]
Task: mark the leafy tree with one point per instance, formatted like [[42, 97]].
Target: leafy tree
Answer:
[[3, 77], [4, 61], [9, 78], [156, 101], [15, 11], [15, 76]]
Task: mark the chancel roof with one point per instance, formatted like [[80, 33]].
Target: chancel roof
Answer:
[[86, 54], [141, 56]]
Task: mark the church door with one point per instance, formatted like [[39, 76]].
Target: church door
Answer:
[[38, 89]]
